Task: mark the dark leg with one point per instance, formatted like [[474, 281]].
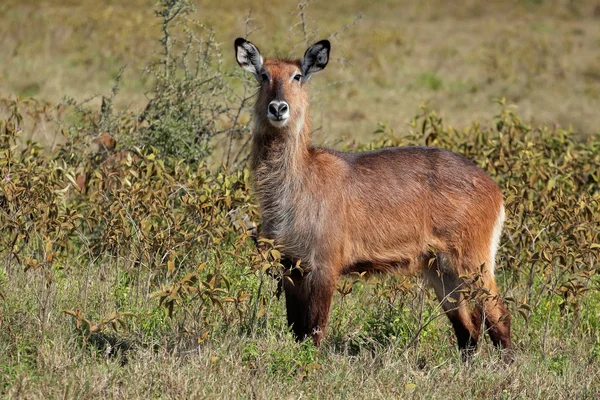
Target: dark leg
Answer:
[[319, 305], [308, 301], [466, 327], [447, 287], [296, 302]]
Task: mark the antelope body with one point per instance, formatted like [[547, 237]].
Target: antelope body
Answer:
[[391, 210]]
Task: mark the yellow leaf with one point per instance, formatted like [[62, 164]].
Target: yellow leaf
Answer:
[[203, 337], [276, 254], [72, 313], [243, 297]]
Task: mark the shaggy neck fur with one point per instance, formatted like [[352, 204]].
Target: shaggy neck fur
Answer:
[[279, 163]]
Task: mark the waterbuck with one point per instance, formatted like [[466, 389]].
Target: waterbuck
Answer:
[[397, 210]]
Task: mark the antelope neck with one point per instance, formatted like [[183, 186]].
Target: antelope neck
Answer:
[[281, 151]]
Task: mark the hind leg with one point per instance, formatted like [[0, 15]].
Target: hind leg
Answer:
[[447, 286], [497, 318], [495, 313]]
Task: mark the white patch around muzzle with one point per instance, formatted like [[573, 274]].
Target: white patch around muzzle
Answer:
[[278, 113]]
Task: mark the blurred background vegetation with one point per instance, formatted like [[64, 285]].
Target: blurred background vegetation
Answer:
[[457, 56], [128, 266]]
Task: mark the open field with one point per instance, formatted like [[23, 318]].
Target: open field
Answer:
[[144, 281], [458, 57]]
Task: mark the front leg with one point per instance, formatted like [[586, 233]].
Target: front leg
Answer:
[[296, 303], [308, 303], [322, 288]]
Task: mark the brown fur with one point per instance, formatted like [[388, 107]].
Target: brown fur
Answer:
[[390, 210]]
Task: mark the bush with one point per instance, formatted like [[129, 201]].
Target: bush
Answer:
[[192, 101], [192, 104]]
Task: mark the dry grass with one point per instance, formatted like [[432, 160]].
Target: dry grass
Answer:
[[151, 375], [273, 366], [541, 56]]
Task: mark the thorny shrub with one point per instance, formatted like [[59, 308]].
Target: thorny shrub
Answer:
[[192, 100]]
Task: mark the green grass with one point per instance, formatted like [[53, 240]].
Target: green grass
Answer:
[[429, 80]]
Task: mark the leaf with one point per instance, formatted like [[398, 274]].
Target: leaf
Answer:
[[243, 297], [430, 262], [203, 337], [524, 314], [158, 293], [190, 279], [72, 313], [71, 179], [525, 306], [170, 305], [264, 267], [123, 325], [410, 387], [276, 254]]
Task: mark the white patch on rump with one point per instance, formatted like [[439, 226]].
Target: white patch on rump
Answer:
[[496, 238]]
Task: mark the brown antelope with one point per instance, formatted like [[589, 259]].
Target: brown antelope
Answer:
[[405, 209]]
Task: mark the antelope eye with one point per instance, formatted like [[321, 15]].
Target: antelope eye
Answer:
[[264, 76], [298, 77]]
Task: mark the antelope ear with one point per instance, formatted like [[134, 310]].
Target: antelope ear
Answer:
[[315, 58], [248, 56]]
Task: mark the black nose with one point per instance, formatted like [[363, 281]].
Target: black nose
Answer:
[[278, 108]]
